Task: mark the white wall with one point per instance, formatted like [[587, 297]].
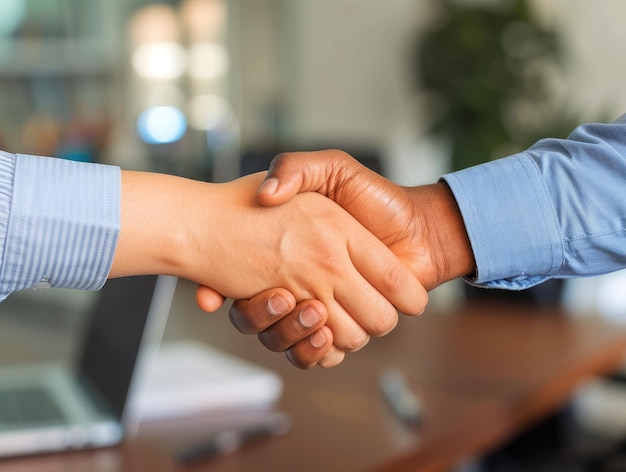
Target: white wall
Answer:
[[342, 64], [595, 35], [253, 39], [351, 70]]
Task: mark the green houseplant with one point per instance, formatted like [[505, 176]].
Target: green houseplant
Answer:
[[489, 71]]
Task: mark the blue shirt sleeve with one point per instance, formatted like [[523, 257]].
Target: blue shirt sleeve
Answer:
[[557, 209], [59, 222]]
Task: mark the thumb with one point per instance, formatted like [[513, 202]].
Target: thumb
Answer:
[[296, 172]]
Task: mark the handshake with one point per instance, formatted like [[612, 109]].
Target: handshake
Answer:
[[321, 253], [343, 249]]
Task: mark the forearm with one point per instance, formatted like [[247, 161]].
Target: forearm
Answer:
[[182, 227], [155, 229], [187, 228]]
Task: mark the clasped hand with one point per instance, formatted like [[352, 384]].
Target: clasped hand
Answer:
[[313, 248], [419, 225]]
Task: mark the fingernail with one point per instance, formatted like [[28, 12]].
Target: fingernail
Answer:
[[309, 317], [277, 305], [269, 186], [317, 339]]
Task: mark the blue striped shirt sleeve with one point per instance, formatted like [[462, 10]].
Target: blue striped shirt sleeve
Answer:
[[59, 222]]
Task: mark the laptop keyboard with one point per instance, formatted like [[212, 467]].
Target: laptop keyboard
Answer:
[[28, 405]]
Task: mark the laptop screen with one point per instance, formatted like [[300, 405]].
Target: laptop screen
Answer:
[[119, 331]]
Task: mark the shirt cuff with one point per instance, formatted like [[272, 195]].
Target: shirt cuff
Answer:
[[510, 223], [63, 224]]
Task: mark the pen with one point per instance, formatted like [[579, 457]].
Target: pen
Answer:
[[229, 441], [402, 400]]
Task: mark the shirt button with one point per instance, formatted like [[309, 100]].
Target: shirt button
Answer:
[[43, 284]]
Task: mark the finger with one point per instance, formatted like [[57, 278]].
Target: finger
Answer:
[[389, 276], [261, 311], [308, 352], [333, 358], [208, 299], [348, 333], [303, 321], [361, 304], [292, 173], [359, 309]]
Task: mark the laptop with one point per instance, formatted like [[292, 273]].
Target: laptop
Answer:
[[47, 408]]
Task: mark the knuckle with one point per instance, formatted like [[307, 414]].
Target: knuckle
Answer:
[[298, 361], [355, 342], [235, 321], [332, 360], [270, 342], [330, 264], [281, 162], [339, 156], [395, 277], [255, 324], [279, 159], [242, 323], [385, 323], [282, 336]]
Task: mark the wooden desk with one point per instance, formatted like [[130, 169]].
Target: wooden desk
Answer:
[[485, 373]]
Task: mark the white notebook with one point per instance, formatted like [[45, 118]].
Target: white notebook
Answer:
[[190, 377]]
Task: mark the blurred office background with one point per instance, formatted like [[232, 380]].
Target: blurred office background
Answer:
[[176, 83], [212, 89], [191, 86]]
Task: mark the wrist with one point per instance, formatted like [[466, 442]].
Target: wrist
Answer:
[[154, 231], [444, 233]]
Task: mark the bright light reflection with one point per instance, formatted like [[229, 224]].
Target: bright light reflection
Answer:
[[161, 125], [205, 19], [160, 60], [11, 15], [207, 60], [154, 24]]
